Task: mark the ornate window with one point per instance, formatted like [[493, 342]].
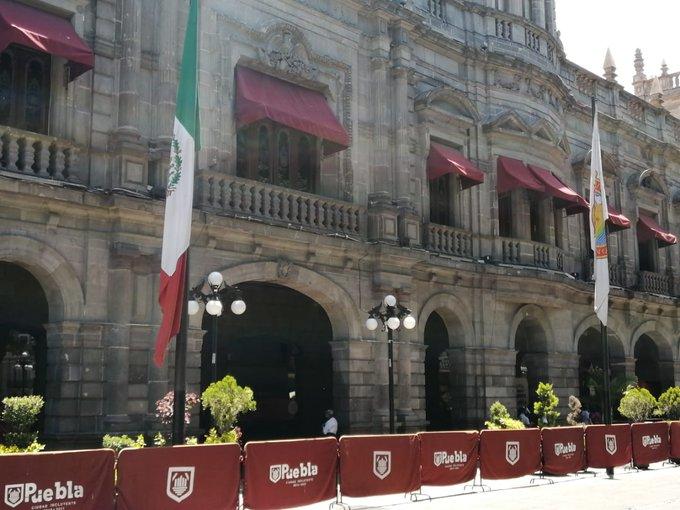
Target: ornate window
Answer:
[[24, 89], [269, 152]]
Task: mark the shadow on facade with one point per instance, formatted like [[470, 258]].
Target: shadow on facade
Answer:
[[280, 348]]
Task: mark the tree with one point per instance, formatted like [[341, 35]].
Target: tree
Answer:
[[499, 418], [669, 403], [544, 407], [637, 404], [226, 400]]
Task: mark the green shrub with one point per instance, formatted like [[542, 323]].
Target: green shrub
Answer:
[[231, 436], [117, 443], [34, 447], [226, 400], [637, 404], [544, 407], [669, 403], [19, 415], [499, 418]]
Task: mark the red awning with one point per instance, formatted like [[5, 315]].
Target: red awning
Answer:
[[648, 229], [564, 195], [616, 221], [444, 160], [512, 174], [260, 96], [42, 31]]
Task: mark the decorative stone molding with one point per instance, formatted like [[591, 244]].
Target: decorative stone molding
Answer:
[[286, 49], [447, 102]]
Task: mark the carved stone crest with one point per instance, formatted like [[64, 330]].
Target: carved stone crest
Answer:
[[283, 268], [286, 50]]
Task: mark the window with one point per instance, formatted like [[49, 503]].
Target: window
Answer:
[[647, 255], [24, 89], [440, 200], [505, 215], [268, 152]]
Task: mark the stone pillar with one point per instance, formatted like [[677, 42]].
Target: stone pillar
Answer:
[[402, 163], [521, 224], [563, 374], [515, 7], [494, 368], [538, 12], [551, 16]]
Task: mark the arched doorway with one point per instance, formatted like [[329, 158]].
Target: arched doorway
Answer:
[[438, 398], [23, 352], [590, 374], [653, 365], [280, 347], [531, 360]]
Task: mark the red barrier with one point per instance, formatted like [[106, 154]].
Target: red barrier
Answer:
[[675, 440], [285, 474], [608, 445], [448, 458], [563, 449], [79, 479], [374, 465], [650, 442], [509, 453], [198, 477]]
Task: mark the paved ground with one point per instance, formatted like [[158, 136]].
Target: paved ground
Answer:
[[655, 489]]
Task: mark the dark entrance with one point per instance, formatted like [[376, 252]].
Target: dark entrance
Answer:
[[438, 398], [23, 352], [653, 366], [531, 362], [280, 347]]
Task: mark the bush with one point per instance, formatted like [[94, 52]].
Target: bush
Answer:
[[637, 404], [233, 436], [669, 403], [19, 415], [34, 447], [499, 418], [226, 401], [574, 416], [544, 407], [117, 443], [165, 407]]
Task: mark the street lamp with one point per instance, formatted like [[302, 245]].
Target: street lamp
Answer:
[[23, 365], [391, 315], [218, 292]]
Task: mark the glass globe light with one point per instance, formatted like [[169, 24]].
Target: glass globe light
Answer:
[[238, 306], [393, 322], [214, 307], [409, 322], [192, 307], [390, 300], [215, 279], [371, 324]]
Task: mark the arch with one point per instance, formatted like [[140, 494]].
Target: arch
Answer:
[[459, 325], [652, 329], [509, 120], [55, 274], [652, 179], [336, 301], [455, 102], [591, 321], [542, 129], [537, 314]]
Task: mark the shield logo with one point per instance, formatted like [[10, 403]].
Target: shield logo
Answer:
[[382, 464], [14, 495], [439, 458], [180, 483], [275, 473], [610, 443], [512, 452]]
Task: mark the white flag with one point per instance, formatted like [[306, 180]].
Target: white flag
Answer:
[[598, 231]]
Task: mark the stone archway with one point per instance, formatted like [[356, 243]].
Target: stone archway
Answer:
[[654, 360]]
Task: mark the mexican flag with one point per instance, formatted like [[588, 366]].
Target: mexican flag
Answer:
[[599, 214], [180, 192]]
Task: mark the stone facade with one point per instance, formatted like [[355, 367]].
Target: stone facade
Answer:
[[487, 77], [662, 90]]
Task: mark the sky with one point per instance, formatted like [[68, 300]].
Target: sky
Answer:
[[589, 27]]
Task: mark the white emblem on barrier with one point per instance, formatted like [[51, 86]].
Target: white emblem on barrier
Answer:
[[14, 495], [610, 443], [382, 464], [180, 483], [275, 473], [512, 452]]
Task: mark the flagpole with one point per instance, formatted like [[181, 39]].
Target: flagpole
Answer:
[[606, 397], [180, 390]]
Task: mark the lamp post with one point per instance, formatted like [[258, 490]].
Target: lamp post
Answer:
[[218, 292], [23, 365], [391, 315]]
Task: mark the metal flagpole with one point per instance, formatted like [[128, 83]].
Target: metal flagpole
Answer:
[[606, 397], [181, 365]]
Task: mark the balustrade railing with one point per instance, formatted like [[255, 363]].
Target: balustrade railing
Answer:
[[655, 283], [511, 251], [33, 154], [542, 255], [448, 240], [244, 197]]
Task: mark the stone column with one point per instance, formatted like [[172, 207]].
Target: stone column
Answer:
[[521, 224], [515, 7], [563, 374], [400, 106], [538, 12]]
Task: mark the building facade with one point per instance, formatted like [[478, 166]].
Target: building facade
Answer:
[[437, 150]]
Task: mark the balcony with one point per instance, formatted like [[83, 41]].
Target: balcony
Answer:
[[655, 283], [448, 240], [530, 253], [36, 155], [238, 197]]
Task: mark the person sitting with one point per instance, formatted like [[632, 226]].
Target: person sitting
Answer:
[[330, 426]]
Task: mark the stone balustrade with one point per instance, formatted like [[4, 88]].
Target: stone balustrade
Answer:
[[656, 283], [448, 240], [36, 155], [252, 199]]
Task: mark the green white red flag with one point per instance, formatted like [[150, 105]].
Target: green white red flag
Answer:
[[180, 192], [599, 215]]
